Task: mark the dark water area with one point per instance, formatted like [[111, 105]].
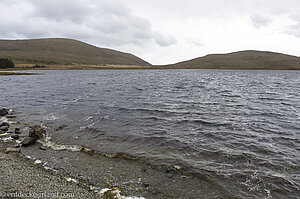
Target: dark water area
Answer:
[[240, 129]]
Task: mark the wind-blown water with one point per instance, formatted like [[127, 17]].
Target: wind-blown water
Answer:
[[241, 129]]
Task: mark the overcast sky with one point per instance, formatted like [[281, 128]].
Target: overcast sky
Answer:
[[159, 31]]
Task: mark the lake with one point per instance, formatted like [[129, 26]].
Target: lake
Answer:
[[241, 129]]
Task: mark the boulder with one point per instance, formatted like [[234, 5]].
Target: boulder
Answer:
[[38, 132], [3, 112], [28, 141], [35, 133]]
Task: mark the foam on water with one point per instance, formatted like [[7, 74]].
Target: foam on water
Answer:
[[60, 147]]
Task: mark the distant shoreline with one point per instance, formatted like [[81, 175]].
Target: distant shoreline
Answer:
[[123, 67]]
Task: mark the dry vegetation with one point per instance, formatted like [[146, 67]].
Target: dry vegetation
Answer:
[[11, 73], [64, 52], [242, 60], [76, 67]]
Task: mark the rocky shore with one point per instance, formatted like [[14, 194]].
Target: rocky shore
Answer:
[[30, 163], [21, 177]]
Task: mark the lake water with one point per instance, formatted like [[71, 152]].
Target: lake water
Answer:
[[241, 129]]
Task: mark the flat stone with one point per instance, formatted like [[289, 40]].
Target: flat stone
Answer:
[[14, 136], [10, 116], [29, 140], [12, 150]]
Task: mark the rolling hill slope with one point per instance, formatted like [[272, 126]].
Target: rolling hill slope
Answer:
[[242, 60], [63, 51]]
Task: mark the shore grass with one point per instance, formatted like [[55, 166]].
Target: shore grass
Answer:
[[76, 67], [12, 73]]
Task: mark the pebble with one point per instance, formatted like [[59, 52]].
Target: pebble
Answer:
[[10, 116], [17, 131], [42, 148], [3, 112], [14, 136], [12, 150], [4, 128]]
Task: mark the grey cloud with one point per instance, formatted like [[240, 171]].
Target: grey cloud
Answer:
[[294, 29], [164, 41], [195, 42], [259, 21], [102, 22]]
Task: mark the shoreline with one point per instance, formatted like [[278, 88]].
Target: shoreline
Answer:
[[122, 176], [24, 67], [14, 73]]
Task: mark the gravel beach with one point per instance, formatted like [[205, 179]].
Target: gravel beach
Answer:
[[21, 178]]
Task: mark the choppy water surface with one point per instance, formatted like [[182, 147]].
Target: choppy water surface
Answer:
[[240, 129]]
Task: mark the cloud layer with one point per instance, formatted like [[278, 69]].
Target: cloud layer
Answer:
[[104, 22], [160, 32], [259, 21]]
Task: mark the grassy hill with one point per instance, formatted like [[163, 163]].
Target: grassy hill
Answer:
[[242, 60], [64, 52], [80, 55]]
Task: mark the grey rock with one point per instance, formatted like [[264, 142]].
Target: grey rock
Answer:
[[3, 112], [4, 124], [28, 141], [61, 127], [4, 128], [14, 136], [17, 131], [12, 150], [42, 148], [11, 116]]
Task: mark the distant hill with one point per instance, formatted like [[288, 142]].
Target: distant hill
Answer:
[[241, 60], [63, 51]]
